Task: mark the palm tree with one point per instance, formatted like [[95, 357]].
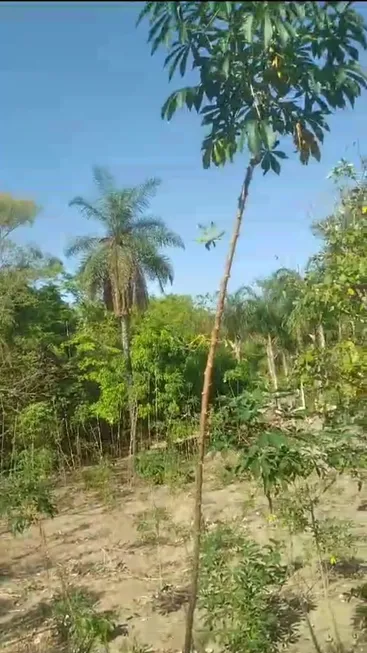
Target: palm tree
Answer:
[[266, 313], [234, 322], [117, 266]]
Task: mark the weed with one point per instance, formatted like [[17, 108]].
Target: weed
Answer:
[[333, 538], [226, 474], [276, 460], [165, 467], [236, 420], [100, 479], [77, 622], [25, 492], [149, 524], [134, 646], [239, 579]]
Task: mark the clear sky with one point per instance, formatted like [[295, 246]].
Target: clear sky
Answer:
[[79, 87]]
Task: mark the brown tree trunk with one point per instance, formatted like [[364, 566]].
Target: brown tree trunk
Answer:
[[208, 375]]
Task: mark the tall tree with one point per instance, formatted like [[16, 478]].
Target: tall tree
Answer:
[[117, 265], [19, 266], [266, 71]]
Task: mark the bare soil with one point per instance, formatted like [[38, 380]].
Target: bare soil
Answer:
[[105, 550]]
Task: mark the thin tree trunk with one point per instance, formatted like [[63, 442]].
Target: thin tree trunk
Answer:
[[271, 363], [299, 350], [125, 342], [302, 395], [285, 365], [340, 331], [208, 375], [321, 336], [236, 348]]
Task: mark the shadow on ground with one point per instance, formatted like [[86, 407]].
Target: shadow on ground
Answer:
[[290, 611], [348, 568]]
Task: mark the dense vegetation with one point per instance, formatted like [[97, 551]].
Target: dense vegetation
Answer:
[[295, 340]]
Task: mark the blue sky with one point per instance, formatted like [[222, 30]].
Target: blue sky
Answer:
[[79, 88]]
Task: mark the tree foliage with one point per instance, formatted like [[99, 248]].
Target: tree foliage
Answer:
[[264, 71]]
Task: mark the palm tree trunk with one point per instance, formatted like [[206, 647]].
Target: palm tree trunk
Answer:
[[208, 375], [125, 342]]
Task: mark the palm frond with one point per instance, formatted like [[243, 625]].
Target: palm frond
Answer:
[[93, 272], [88, 210], [158, 267], [103, 179], [141, 196], [82, 245], [156, 231]]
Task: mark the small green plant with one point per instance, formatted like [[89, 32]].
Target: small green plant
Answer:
[[25, 491], [237, 420], [165, 467], [149, 524], [332, 538], [276, 460], [239, 580], [100, 479], [77, 622]]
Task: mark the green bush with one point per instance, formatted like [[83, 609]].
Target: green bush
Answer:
[[238, 581]]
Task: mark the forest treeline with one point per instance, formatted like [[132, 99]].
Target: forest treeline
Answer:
[[82, 356]]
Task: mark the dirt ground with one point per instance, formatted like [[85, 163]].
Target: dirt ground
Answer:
[[109, 551]]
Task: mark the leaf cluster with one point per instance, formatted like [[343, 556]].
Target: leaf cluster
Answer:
[[265, 71], [238, 581]]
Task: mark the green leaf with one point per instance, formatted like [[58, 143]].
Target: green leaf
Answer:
[[163, 35], [300, 10], [268, 30], [341, 6], [173, 59], [268, 135], [283, 34], [253, 137], [279, 154], [265, 163], [225, 66], [206, 158], [247, 28], [169, 107], [183, 62], [209, 235], [275, 165]]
